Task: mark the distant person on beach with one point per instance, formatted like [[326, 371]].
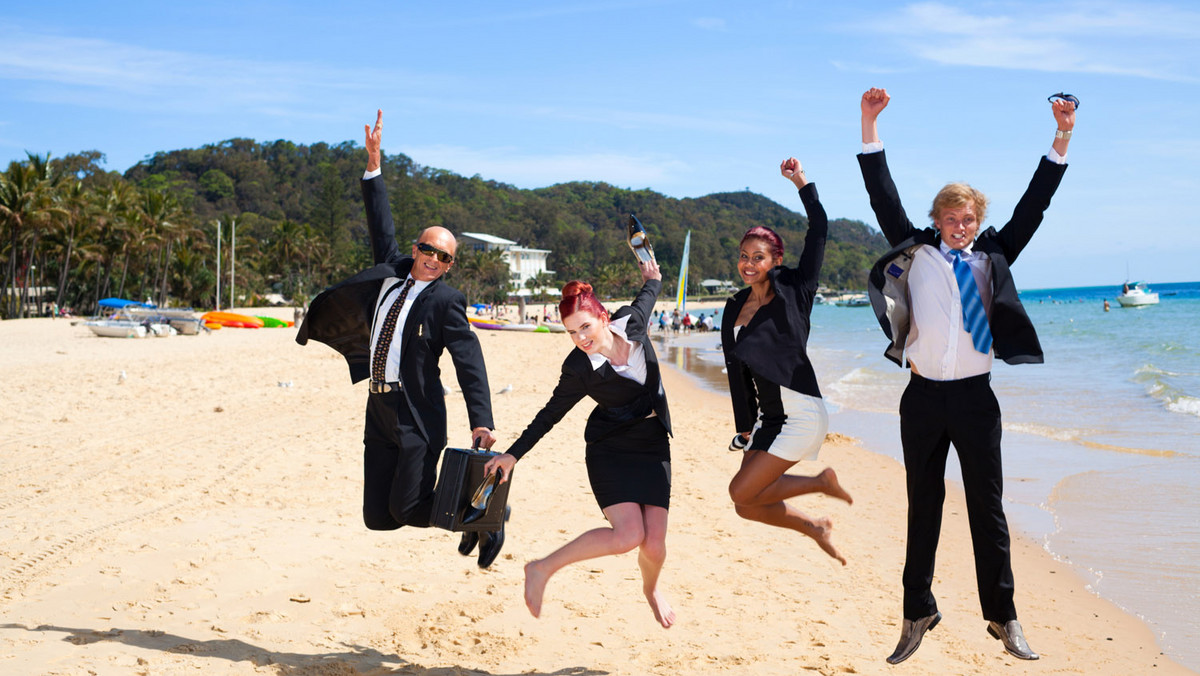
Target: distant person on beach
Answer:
[[628, 451], [777, 407], [947, 301], [392, 322]]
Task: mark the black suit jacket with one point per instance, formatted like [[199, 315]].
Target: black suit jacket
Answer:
[[342, 316], [610, 391], [1013, 336], [774, 343]]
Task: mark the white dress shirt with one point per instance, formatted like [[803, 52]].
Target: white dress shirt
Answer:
[[938, 346], [635, 368], [387, 297]]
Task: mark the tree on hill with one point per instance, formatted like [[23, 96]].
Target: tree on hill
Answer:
[[301, 227]]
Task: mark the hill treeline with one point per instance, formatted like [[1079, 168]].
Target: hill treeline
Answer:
[[152, 231]]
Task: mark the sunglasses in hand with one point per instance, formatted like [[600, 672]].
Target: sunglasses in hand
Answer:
[[1065, 97], [430, 250]]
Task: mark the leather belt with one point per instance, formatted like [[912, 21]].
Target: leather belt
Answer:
[[378, 387]]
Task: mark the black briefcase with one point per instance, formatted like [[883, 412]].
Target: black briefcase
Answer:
[[465, 499]]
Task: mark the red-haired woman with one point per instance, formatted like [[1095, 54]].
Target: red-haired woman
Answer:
[[777, 406], [628, 451]]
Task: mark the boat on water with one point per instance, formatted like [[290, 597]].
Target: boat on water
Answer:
[[1135, 294], [853, 300]]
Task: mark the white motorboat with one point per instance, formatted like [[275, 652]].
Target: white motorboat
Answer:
[[117, 328], [1135, 294], [853, 300]]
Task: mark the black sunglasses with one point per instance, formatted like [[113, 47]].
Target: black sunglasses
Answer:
[[1065, 97], [430, 250]]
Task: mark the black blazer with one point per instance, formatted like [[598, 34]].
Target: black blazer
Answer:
[[342, 316], [774, 343], [611, 391], [1013, 337]]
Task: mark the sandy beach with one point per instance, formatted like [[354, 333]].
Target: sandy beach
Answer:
[[201, 514]]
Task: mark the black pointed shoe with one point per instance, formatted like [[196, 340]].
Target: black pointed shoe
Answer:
[[468, 542]]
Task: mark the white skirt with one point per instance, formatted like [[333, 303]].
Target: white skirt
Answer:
[[802, 433]]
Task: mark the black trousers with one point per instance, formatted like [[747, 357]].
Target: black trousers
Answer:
[[933, 415], [399, 467]]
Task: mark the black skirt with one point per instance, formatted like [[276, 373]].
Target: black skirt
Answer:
[[632, 465]]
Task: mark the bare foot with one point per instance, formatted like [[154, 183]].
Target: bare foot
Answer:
[[535, 586], [662, 610], [832, 488], [822, 529]]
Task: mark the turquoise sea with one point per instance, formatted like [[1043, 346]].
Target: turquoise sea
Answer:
[[1101, 443]]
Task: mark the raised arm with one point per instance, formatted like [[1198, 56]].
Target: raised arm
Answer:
[[1031, 208], [643, 303], [809, 267], [885, 199], [374, 138], [873, 102], [379, 212], [1064, 117]]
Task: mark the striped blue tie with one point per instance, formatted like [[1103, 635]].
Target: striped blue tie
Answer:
[[974, 317]]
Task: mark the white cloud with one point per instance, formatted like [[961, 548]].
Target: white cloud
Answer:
[[1152, 41], [508, 165], [106, 74]]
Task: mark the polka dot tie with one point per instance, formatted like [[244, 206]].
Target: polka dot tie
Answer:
[[384, 343], [975, 320]]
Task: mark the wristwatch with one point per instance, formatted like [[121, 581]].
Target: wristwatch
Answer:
[[1064, 135]]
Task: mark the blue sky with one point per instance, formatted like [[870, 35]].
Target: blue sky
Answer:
[[682, 97]]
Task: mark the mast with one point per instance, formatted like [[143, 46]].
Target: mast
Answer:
[[681, 298]]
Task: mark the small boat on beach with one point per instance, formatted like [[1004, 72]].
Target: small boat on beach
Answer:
[[1135, 294], [117, 328]]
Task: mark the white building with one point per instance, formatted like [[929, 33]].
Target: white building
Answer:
[[523, 262]]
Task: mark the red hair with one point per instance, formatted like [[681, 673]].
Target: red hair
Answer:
[[576, 296], [772, 238]]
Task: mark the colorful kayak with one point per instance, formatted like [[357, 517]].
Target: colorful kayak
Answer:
[[273, 323], [485, 323], [232, 320]]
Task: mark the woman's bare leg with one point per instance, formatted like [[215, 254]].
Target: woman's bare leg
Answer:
[[626, 533], [761, 480], [651, 556], [760, 487]]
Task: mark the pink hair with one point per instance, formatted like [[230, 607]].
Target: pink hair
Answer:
[[773, 240], [576, 296]]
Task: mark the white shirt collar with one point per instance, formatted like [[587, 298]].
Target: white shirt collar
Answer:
[[967, 251], [617, 326]]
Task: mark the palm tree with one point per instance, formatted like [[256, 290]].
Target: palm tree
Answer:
[[160, 212], [75, 208], [25, 210]]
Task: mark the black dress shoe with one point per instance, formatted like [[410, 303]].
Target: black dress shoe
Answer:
[[490, 543], [468, 542], [911, 634], [1013, 638]]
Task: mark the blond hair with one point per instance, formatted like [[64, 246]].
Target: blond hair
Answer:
[[956, 195]]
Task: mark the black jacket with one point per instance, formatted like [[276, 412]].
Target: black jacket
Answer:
[[342, 316], [614, 406], [1013, 337]]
